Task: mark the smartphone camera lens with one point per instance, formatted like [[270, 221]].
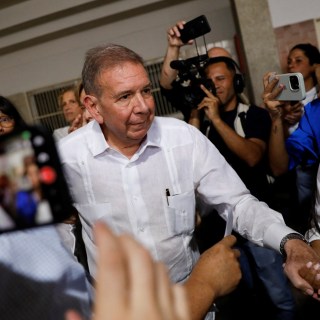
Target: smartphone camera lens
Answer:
[[294, 83]]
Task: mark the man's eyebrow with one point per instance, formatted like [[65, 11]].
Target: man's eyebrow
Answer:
[[121, 93]]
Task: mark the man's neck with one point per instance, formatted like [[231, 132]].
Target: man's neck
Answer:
[[231, 105], [126, 147]]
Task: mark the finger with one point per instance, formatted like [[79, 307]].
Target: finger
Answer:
[[72, 315], [176, 31], [266, 79], [206, 91], [142, 275], [164, 293], [308, 273], [181, 24], [180, 301], [237, 253], [111, 279], [298, 281], [297, 105], [229, 240]]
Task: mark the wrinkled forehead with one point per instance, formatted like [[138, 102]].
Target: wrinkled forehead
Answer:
[[123, 73]]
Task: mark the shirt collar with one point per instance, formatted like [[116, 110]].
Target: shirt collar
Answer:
[[97, 144]]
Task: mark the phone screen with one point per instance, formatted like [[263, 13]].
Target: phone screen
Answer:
[[32, 189]]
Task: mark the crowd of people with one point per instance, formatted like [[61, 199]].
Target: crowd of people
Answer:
[[157, 198]]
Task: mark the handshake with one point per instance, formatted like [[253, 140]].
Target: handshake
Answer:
[[311, 273]]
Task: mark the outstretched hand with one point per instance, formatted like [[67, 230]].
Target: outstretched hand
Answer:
[[130, 284], [76, 123], [216, 274], [311, 273], [299, 267]]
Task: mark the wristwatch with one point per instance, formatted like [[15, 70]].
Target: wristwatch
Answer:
[[291, 236]]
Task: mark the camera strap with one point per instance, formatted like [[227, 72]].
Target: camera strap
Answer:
[[239, 121]]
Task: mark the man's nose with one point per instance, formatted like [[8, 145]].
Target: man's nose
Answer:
[[139, 103]]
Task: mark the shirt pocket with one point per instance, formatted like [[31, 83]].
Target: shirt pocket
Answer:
[[91, 213], [181, 213]]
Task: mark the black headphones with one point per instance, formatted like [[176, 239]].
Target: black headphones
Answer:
[[238, 80]]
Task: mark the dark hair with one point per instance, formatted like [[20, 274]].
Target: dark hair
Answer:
[[8, 108], [230, 63], [101, 58], [310, 51], [238, 79]]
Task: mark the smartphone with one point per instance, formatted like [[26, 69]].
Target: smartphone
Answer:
[[33, 191], [293, 86], [195, 28]]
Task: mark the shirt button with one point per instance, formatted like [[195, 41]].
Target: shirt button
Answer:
[[141, 229]]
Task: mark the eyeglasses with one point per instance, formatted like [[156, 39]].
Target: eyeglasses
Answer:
[[6, 122]]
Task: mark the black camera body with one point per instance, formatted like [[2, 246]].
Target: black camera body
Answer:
[[190, 77], [191, 71]]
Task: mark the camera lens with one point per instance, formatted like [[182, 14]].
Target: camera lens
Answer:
[[294, 82]]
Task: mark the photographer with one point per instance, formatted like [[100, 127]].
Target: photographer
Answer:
[[171, 88]]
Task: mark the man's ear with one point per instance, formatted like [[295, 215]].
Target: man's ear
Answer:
[[92, 105]]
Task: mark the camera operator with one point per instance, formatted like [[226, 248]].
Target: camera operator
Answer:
[[170, 87]]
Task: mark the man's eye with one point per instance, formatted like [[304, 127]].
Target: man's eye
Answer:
[[125, 97], [147, 91]]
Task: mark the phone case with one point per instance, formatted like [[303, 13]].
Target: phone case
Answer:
[[294, 88], [195, 28], [35, 189]]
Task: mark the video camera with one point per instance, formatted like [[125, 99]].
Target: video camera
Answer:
[[191, 71]]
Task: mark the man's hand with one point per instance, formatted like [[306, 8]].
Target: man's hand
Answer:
[[210, 104], [173, 35], [311, 273], [298, 267], [76, 123], [130, 284], [216, 274]]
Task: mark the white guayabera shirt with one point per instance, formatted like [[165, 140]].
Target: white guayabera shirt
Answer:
[[152, 195]]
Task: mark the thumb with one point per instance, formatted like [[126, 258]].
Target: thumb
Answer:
[[229, 240]]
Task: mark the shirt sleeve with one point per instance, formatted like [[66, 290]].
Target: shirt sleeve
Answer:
[[219, 186]]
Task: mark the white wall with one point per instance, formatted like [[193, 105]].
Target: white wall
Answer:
[[285, 12], [61, 60]]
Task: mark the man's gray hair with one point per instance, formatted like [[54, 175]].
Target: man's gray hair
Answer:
[[103, 57]]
